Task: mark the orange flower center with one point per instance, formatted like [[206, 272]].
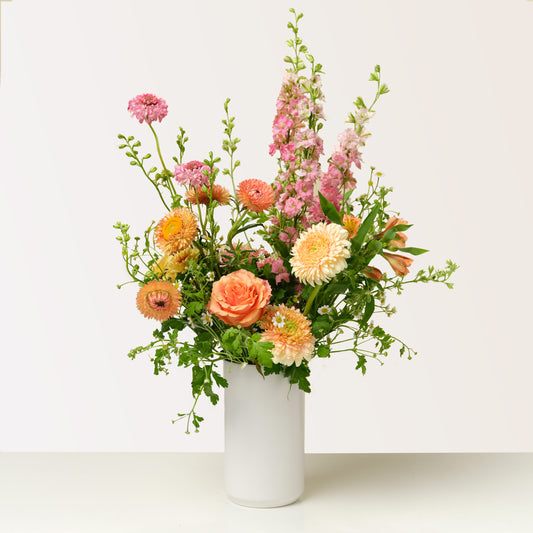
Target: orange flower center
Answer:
[[172, 226]]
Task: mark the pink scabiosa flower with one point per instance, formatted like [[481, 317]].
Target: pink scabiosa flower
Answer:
[[192, 174], [256, 195], [158, 300], [320, 253], [148, 107], [399, 263], [290, 332]]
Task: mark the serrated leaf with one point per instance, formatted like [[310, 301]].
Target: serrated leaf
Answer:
[[323, 351]]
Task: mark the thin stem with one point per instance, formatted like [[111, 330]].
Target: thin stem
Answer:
[[157, 145]]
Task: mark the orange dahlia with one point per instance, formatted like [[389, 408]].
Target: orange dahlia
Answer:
[[290, 332], [351, 225], [176, 231], [256, 195], [172, 265], [158, 300], [217, 194], [320, 253]]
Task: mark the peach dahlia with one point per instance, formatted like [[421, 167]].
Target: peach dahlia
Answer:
[[290, 332]]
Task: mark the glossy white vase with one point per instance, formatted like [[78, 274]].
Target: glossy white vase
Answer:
[[264, 438]]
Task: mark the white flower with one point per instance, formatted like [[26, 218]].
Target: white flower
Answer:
[[211, 276], [207, 318], [278, 320], [324, 310]]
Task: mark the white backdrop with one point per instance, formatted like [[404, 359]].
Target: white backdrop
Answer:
[[453, 137]]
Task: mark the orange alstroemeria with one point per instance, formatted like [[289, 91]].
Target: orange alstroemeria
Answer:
[[351, 225], [399, 263], [372, 273], [401, 238]]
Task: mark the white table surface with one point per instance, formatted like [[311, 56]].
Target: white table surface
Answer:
[[345, 493]]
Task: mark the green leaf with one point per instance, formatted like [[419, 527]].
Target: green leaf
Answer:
[[347, 194], [173, 323], [413, 251], [361, 363], [323, 351], [374, 248], [219, 380], [321, 326], [365, 228], [260, 352], [298, 375], [198, 377], [329, 209], [369, 310]]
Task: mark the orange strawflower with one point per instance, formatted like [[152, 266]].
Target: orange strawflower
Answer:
[[351, 225], [176, 231], [158, 300], [218, 194], [256, 195], [172, 265], [399, 263]]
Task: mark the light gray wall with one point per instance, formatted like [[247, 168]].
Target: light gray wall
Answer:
[[453, 137]]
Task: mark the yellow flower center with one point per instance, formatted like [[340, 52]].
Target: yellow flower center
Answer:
[[290, 326], [172, 226]]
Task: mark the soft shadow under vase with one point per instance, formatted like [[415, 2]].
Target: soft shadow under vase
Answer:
[[264, 438]]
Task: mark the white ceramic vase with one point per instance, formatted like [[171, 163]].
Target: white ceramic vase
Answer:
[[264, 438]]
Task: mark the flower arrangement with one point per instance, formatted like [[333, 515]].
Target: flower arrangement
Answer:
[[293, 277]]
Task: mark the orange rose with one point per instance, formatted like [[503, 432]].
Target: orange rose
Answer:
[[239, 299]]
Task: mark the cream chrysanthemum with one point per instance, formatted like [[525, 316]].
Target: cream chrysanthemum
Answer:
[[292, 339], [172, 265], [320, 253], [159, 300], [176, 231]]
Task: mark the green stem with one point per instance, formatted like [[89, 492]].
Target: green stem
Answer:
[[157, 145], [169, 183], [311, 298], [233, 229]]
